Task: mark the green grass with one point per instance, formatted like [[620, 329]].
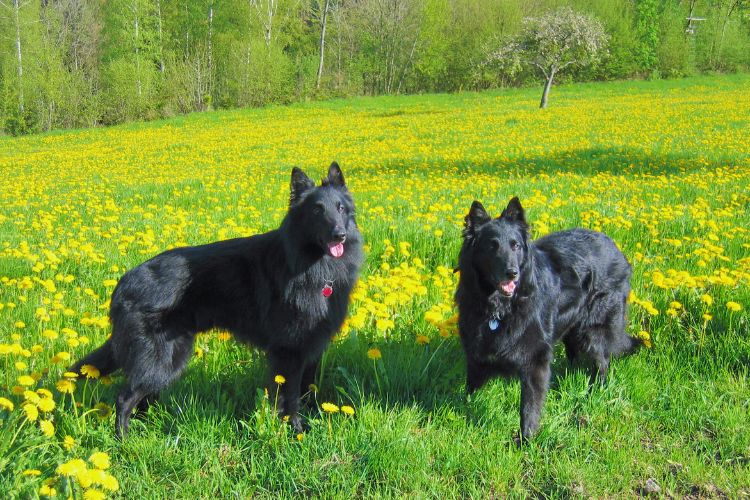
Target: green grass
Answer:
[[657, 161]]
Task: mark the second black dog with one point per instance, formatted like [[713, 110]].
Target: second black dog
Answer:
[[285, 291], [517, 297]]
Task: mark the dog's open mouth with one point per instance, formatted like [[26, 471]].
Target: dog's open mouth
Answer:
[[336, 248], [507, 288]]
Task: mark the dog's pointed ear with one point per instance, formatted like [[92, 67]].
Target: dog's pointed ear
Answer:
[[514, 211], [335, 176], [476, 217], [300, 183]]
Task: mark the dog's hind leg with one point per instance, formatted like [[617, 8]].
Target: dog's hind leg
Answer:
[[151, 364], [573, 342]]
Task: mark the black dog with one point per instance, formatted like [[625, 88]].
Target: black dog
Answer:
[[516, 298], [285, 291]]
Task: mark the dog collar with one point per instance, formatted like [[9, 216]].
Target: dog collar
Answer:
[[327, 290]]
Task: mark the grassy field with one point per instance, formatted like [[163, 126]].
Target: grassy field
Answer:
[[662, 167]]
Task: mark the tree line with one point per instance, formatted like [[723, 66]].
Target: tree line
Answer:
[[84, 63]]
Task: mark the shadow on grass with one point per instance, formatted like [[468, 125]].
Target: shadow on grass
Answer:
[[588, 161], [428, 379]]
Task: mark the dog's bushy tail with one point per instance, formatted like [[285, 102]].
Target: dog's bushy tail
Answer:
[[102, 358]]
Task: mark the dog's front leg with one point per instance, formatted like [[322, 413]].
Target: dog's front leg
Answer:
[[476, 375], [534, 386], [289, 365]]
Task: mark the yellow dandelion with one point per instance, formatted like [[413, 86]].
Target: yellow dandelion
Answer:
[[645, 337], [31, 411], [86, 477], [26, 380], [707, 299], [734, 306], [90, 371], [329, 407], [32, 472], [72, 467], [47, 490], [300, 437], [46, 404], [65, 386], [48, 429], [347, 410], [50, 334], [69, 443], [374, 353], [100, 460], [93, 494], [31, 397], [423, 339], [45, 393], [6, 404], [279, 379], [109, 482], [707, 317]]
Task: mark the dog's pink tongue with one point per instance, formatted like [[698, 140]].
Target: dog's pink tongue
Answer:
[[336, 249], [508, 286]]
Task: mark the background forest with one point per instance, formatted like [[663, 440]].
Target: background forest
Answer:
[[84, 63]]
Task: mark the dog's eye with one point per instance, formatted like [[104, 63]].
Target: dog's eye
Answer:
[[494, 245], [514, 245], [340, 207]]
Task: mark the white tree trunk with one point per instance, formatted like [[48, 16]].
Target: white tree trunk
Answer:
[[16, 9], [547, 86], [266, 17], [161, 41], [322, 42], [210, 35], [137, 52]]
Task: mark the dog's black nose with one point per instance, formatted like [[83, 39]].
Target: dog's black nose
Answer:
[[339, 234], [512, 273]]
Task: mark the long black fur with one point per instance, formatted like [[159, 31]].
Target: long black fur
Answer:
[[265, 289], [570, 285]]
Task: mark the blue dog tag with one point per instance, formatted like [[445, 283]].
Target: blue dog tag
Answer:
[[494, 324]]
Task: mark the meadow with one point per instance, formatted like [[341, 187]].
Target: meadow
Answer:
[[662, 167]]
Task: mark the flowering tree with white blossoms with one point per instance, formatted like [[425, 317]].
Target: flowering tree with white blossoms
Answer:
[[553, 42]]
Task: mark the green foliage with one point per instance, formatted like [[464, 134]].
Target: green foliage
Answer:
[[85, 64], [647, 31]]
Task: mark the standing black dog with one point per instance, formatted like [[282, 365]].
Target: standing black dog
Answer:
[[285, 291], [516, 298]]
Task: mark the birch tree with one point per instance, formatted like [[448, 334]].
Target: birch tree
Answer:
[[324, 8], [265, 11], [552, 43], [13, 10]]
